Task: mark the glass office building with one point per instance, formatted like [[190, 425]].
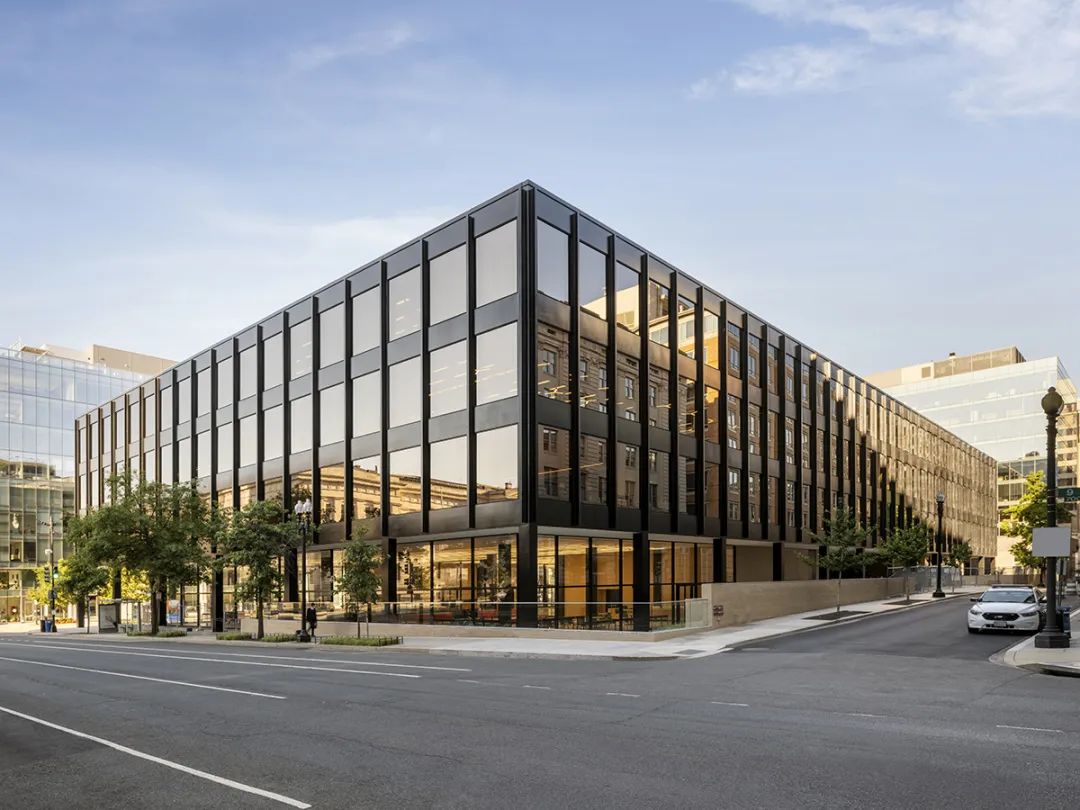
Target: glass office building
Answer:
[[542, 423], [992, 400], [42, 390]]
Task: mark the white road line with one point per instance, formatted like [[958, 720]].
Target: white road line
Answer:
[[242, 663], [94, 645], [1030, 728], [144, 678], [863, 714], [621, 694], [725, 703], [266, 794], [466, 680], [530, 686]]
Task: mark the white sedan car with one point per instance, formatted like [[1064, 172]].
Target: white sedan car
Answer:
[[1013, 608]]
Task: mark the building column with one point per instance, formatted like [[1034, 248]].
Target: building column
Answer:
[[642, 595], [719, 560], [217, 600], [526, 596], [778, 562]]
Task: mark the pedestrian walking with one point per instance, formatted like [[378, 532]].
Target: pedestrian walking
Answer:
[[312, 620]]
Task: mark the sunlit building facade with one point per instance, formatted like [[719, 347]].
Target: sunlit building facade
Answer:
[[541, 423], [993, 401], [42, 390]]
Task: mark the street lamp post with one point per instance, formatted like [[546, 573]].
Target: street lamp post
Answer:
[[939, 594], [303, 513], [1052, 635]]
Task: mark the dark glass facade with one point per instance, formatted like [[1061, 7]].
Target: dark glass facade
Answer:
[[487, 402]]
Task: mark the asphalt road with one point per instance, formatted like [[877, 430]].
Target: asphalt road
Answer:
[[898, 711]]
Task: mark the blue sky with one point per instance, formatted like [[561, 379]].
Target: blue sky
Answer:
[[887, 181]]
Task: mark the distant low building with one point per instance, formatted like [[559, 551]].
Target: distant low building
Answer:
[[992, 400], [42, 390]]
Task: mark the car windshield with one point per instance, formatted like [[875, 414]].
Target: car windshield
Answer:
[[1008, 596]]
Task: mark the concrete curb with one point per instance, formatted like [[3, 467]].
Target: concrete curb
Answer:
[[850, 620], [1007, 658]]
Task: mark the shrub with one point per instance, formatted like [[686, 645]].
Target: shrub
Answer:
[[234, 636], [139, 633], [174, 633], [277, 638], [353, 641]]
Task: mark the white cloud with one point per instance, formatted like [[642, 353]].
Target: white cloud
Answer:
[[364, 43], [792, 69], [1004, 57]]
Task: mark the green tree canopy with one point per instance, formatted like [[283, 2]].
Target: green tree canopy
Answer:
[[907, 547], [359, 580], [1026, 515], [254, 539], [845, 546]]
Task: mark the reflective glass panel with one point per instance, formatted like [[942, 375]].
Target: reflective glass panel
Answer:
[[183, 401], [496, 364], [553, 464], [711, 339], [552, 362], [659, 480], [552, 262], [183, 460], [273, 361], [627, 311], [593, 469], [225, 382], [450, 473], [496, 263], [659, 309], [406, 395], [249, 440], [497, 465], [225, 447], [448, 284], [448, 379], [367, 404], [405, 481], [627, 465], [593, 384], [300, 349], [686, 322], [300, 415], [203, 460], [592, 281], [367, 488], [367, 320], [332, 415], [332, 336], [405, 293], [273, 432], [203, 392]]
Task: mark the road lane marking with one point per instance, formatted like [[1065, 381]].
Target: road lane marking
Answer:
[[466, 680], [724, 703], [95, 645], [144, 678], [176, 766], [864, 714], [530, 686], [622, 694], [1030, 728], [242, 663]]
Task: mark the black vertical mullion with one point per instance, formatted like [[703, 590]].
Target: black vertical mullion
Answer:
[[470, 352], [744, 423], [725, 369], [575, 376], [527, 291], [384, 393], [699, 406], [645, 474], [347, 479], [316, 418], [425, 388], [610, 359], [673, 401], [797, 438], [815, 402]]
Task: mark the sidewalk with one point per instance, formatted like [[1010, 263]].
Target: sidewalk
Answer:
[[697, 645], [1050, 662]]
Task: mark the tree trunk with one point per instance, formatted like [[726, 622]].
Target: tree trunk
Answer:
[[907, 590], [838, 580], [368, 609], [358, 622], [259, 616], [154, 595]]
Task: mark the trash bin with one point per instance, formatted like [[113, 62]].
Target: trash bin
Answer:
[[1065, 620], [44, 628]]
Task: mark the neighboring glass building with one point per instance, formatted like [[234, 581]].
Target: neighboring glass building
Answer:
[[542, 423], [42, 390], [993, 400]]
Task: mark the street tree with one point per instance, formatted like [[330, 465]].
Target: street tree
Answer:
[[43, 583], [254, 539], [1027, 514], [958, 557], [154, 529], [80, 578], [359, 581], [844, 542], [907, 547]]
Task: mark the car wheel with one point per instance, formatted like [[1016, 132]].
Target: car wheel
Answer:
[[973, 630]]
